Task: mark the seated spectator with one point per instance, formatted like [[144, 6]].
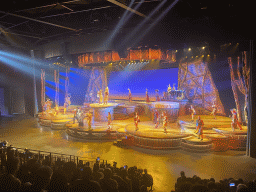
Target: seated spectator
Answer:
[[211, 185], [147, 179], [136, 183], [33, 166], [23, 173], [185, 186], [58, 182], [96, 175], [41, 179], [143, 188], [182, 179], [251, 186], [242, 188], [3, 159], [46, 161], [70, 171], [122, 185], [107, 183], [85, 184], [124, 176], [8, 182], [199, 188]]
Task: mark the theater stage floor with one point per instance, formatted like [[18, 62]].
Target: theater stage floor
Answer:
[[164, 166]]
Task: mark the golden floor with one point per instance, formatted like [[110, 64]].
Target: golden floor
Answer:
[[164, 166]]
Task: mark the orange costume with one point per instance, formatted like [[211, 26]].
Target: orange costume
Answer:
[[199, 128], [106, 93], [136, 121], [109, 120], [235, 122], [147, 97], [165, 122], [130, 95]]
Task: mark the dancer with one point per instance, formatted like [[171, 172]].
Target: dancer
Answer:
[[136, 121], [89, 119], [109, 121], [169, 90], [130, 95], [199, 128], [75, 115], [68, 100], [147, 97], [214, 110], [192, 111], [173, 91], [156, 119], [106, 93], [65, 108], [235, 122], [157, 95], [48, 105], [100, 97], [164, 115]]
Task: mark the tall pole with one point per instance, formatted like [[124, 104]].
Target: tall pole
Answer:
[[34, 83]]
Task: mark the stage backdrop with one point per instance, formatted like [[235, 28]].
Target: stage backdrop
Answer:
[[138, 81]]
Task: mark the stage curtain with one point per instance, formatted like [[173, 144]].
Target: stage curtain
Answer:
[[115, 56], [107, 56], [91, 59], [145, 54], [134, 54]]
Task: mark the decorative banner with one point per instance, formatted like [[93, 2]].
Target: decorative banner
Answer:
[[138, 54]]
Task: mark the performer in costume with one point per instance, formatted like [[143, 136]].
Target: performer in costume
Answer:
[[164, 121], [157, 95], [109, 120], [89, 120], [136, 121], [106, 93], [192, 112], [147, 97], [214, 110], [156, 119], [68, 100], [235, 122], [173, 92], [56, 110], [169, 89], [48, 104], [75, 115], [90, 97], [130, 95], [65, 108], [100, 97], [199, 128]]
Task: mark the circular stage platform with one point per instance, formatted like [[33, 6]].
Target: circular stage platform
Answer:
[[100, 111], [217, 134], [55, 122]]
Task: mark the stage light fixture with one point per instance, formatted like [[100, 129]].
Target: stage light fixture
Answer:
[[189, 49], [203, 47]]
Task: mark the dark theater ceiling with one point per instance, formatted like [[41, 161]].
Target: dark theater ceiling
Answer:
[[35, 22]]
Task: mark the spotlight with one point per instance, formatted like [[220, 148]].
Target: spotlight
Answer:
[[189, 49], [203, 47], [176, 51]]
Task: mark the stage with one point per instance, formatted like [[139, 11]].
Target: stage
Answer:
[[180, 132]]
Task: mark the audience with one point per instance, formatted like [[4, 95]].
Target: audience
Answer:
[[8, 181], [26, 172]]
